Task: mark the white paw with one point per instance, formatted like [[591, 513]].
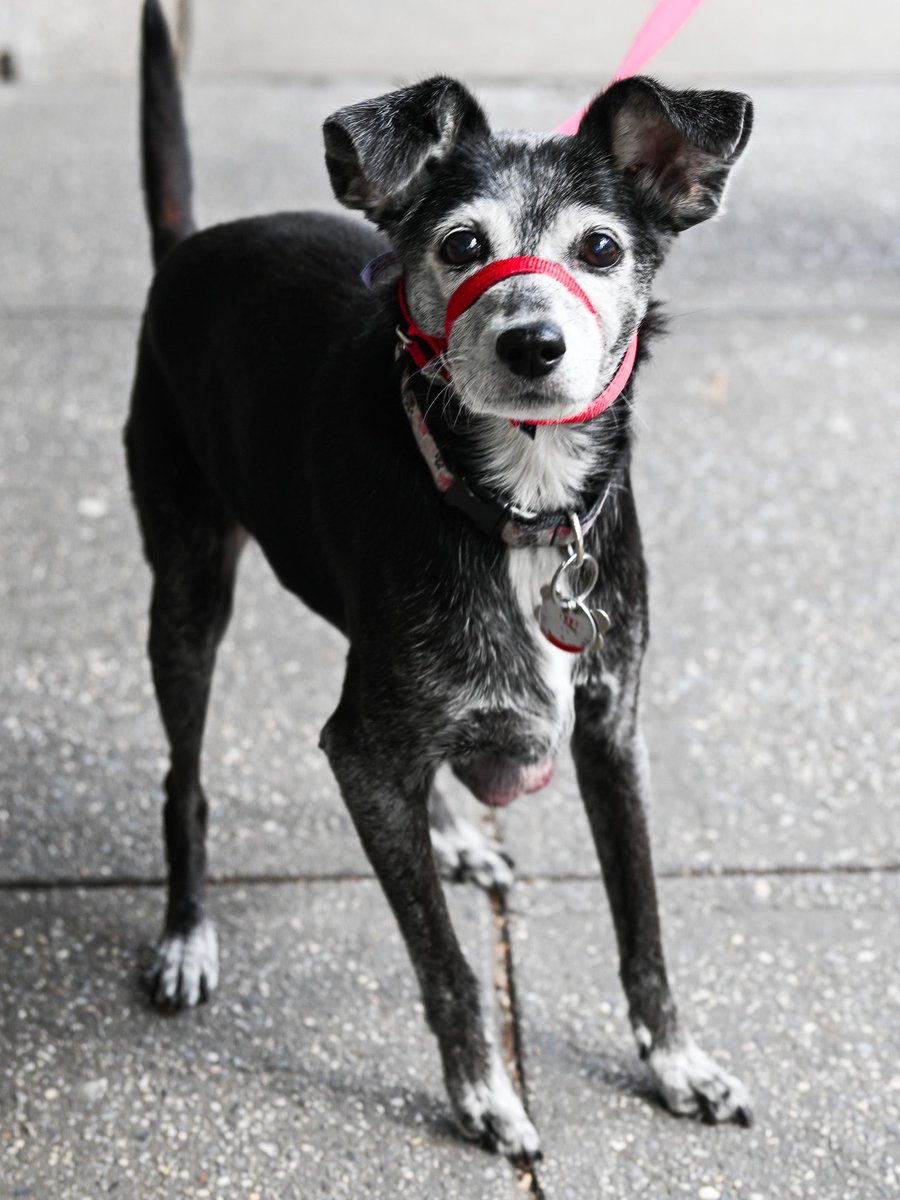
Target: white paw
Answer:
[[186, 969], [694, 1085], [466, 855], [489, 1111]]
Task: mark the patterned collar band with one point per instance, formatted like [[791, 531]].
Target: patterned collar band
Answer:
[[487, 512]]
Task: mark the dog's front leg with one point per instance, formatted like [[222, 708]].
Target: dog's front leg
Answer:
[[387, 796], [464, 853], [610, 760]]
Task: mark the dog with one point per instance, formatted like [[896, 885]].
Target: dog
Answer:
[[437, 464]]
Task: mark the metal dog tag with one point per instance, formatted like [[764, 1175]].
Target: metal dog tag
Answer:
[[569, 625], [565, 620]]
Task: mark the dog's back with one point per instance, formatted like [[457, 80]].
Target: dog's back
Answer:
[[233, 349], [212, 393]]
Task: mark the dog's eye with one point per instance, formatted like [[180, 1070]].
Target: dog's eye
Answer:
[[599, 250], [461, 246]]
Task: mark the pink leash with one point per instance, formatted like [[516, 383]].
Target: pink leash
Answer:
[[664, 21]]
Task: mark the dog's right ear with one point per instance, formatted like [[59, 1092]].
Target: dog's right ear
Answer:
[[376, 149]]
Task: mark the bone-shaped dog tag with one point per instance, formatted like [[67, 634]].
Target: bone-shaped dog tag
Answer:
[[603, 623], [567, 624], [601, 620]]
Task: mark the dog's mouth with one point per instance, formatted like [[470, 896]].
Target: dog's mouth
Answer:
[[526, 409], [485, 386], [496, 781], [517, 403]]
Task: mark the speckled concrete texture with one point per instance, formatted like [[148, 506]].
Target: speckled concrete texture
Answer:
[[767, 481], [311, 1076], [793, 984]]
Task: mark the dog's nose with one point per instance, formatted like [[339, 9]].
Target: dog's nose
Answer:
[[531, 350]]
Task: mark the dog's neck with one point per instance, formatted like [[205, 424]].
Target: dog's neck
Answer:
[[552, 470], [563, 463], [560, 468]]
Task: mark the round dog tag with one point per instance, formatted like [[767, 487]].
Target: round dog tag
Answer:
[[568, 626]]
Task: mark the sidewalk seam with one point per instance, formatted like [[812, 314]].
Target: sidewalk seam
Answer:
[[260, 879]]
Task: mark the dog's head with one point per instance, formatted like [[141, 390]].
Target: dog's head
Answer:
[[423, 165]]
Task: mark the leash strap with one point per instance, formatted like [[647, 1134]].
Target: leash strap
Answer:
[[665, 20]]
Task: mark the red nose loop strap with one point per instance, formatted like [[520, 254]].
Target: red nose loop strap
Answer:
[[608, 396], [473, 287], [423, 348], [412, 336]]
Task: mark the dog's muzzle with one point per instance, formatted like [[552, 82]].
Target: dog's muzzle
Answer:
[[533, 359]]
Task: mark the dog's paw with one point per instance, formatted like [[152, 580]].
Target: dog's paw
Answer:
[[466, 855], [490, 1112], [694, 1085], [186, 969]]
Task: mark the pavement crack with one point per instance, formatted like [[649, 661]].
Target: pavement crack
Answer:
[[107, 882], [39, 883], [510, 1025], [776, 870]]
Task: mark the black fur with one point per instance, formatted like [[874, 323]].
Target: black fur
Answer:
[[166, 162], [266, 403]]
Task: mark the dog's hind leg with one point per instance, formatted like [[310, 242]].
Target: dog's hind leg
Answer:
[[463, 853], [387, 796], [191, 604], [614, 779], [193, 547]]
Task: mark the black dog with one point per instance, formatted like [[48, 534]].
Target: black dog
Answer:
[[277, 397]]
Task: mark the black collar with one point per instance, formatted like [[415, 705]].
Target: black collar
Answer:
[[488, 512]]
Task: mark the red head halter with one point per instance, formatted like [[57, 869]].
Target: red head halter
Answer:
[[423, 347]]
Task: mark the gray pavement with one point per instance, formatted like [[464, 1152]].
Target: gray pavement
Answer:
[[794, 982], [522, 39], [312, 1076], [768, 489]]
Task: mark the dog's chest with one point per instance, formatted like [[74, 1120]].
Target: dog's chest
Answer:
[[529, 570], [538, 682]]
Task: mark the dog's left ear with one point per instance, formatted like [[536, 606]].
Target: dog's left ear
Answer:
[[376, 149], [677, 148]]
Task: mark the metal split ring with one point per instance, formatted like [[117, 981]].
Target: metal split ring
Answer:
[[579, 536], [586, 566]]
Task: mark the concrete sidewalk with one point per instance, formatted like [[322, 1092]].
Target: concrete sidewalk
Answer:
[[402, 40], [768, 488]]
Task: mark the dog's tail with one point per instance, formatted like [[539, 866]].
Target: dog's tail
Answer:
[[165, 157]]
